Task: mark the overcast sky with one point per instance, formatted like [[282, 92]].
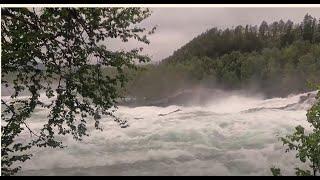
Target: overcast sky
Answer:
[[177, 26]]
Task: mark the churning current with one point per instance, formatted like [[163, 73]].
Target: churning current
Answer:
[[235, 135]]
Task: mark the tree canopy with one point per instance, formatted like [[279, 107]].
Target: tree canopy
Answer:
[[277, 59], [60, 52]]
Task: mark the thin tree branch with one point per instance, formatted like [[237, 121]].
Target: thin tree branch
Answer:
[[31, 132]]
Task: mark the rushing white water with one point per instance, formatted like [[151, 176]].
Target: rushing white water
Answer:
[[237, 135]]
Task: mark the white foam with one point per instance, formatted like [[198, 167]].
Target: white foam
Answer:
[[218, 139]]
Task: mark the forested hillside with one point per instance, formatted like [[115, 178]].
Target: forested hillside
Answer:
[[277, 59]]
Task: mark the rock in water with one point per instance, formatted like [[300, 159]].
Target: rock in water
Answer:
[[170, 112], [97, 116]]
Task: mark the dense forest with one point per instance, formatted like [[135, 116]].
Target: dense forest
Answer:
[[277, 59]]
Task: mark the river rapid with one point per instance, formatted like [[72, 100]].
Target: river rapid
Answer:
[[235, 135]]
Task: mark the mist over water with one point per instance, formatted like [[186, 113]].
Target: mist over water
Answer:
[[233, 135]]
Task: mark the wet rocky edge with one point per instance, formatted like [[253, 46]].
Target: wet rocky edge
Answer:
[[186, 97]]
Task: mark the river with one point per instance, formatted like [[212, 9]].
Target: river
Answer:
[[236, 135]]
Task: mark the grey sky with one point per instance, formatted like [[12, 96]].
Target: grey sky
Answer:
[[177, 26]]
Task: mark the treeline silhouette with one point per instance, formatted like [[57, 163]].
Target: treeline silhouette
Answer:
[[277, 59]]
